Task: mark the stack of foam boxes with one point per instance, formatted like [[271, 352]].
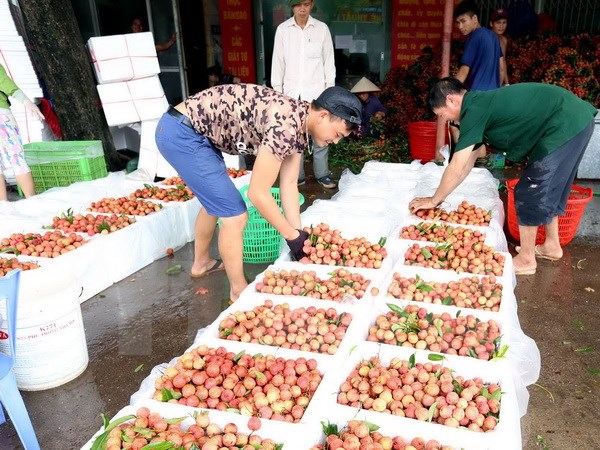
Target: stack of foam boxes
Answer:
[[126, 67], [16, 62]]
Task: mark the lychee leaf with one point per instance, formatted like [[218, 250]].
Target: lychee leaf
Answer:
[[226, 332], [175, 420], [425, 287], [166, 445], [447, 301], [457, 387], [126, 438], [329, 428], [194, 447], [593, 371], [458, 313], [395, 308], [169, 394], [258, 355], [100, 440], [11, 250], [259, 375], [431, 411], [105, 420], [278, 446], [471, 352], [238, 356], [485, 393], [411, 361], [372, 426], [496, 395], [233, 410], [435, 357], [143, 431], [426, 253]]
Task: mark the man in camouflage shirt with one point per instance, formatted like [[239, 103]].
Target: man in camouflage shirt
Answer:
[[241, 119]]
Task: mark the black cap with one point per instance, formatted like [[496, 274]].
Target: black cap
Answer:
[[342, 103]]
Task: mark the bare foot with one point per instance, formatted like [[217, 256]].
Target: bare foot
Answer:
[[202, 269], [524, 266], [235, 294]]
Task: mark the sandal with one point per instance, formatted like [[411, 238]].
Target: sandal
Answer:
[[218, 265], [538, 253], [525, 272]]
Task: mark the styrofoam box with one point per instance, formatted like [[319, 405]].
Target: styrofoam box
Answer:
[[507, 434], [148, 97], [494, 234], [397, 249], [110, 58], [250, 301], [293, 435], [325, 364], [507, 305], [117, 104], [143, 54], [323, 272], [381, 308]]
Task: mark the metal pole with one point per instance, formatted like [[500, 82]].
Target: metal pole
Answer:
[[446, 39], [180, 56]]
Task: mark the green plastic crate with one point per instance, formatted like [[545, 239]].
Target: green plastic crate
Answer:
[[62, 163], [261, 240]]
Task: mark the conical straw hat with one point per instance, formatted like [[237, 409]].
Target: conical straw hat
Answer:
[[364, 85]]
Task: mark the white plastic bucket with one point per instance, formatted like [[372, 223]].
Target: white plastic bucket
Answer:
[[51, 348]]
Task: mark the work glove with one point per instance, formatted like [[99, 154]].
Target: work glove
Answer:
[[296, 245], [32, 110]]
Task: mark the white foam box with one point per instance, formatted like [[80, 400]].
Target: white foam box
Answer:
[[148, 158], [110, 58], [494, 234], [117, 103], [148, 97], [325, 364], [507, 434], [292, 435], [397, 249], [248, 302], [142, 52]]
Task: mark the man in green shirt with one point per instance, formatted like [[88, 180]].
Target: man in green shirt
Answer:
[[544, 125]]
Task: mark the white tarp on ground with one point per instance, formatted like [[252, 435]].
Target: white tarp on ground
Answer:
[[371, 204]]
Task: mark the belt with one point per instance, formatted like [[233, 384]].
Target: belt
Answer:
[[182, 118]]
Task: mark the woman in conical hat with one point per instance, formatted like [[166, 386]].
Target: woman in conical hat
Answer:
[[371, 106]]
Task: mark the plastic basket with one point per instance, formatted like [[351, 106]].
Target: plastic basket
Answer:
[[261, 240], [567, 224], [422, 140], [61, 163]]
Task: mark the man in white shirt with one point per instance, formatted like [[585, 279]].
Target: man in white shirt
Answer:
[[303, 67]]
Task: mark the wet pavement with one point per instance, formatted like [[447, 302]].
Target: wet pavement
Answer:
[[151, 317]]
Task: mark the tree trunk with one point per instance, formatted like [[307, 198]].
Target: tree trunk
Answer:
[[63, 62]]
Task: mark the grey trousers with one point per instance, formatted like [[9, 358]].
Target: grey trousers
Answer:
[[320, 162]]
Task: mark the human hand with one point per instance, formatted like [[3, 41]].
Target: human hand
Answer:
[[417, 204], [32, 110], [296, 245]]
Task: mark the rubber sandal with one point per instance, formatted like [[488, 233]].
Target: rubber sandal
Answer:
[[218, 265], [538, 254], [525, 272]]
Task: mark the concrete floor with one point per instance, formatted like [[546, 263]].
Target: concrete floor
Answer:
[[149, 317]]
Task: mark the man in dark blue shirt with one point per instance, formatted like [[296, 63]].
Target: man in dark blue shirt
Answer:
[[482, 57]]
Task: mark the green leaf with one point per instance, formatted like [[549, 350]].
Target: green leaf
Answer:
[[233, 410], [435, 357], [259, 375], [431, 411], [395, 327], [138, 368], [174, 269], [352, 349], [166, 445], [382, 241], [485, 393], [458, 313], [126, 438], [226, 332], [175, 420], [329, 428], [278, 446], [169, 394], [457, 387], [496, 395], [426, 253], [105, 420], [579, 325], [258, 355], [438, 326], [395, 308], [11, 250], [426, 288], [471, 353], [501, 353], [594, 371], [100, 440], [372, 426], [143, 431], [238, 356], [589, 348], [447, 301], [411, 361], [194, 447]]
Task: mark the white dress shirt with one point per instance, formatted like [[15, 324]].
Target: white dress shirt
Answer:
[[303, 62]]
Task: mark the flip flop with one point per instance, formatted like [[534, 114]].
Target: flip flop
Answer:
[[525, 272], [218, 265], [538, 253]]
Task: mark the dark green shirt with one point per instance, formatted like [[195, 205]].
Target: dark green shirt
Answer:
[[526, 120]]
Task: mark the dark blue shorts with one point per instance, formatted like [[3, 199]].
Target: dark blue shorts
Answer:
[[543, 191], [201, 166]]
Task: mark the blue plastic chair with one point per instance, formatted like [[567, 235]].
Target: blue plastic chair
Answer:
[[10, 397]]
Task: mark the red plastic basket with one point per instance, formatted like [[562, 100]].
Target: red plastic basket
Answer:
[[422, 140], [567, 224]]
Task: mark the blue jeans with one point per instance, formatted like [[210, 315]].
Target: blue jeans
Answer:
[[320, 162]]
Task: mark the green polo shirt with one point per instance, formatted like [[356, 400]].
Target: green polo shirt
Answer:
[[7, 88], [526, 120]]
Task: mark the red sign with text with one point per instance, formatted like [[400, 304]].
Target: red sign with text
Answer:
[[415, 24], [237, 38]]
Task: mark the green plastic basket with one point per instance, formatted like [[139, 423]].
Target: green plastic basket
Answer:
[[62, 163], [261, 240]]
